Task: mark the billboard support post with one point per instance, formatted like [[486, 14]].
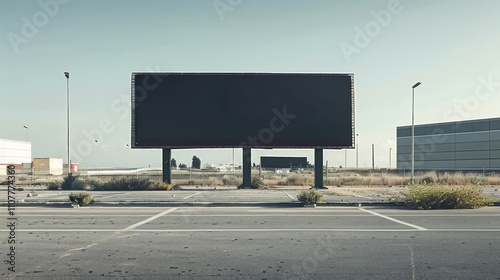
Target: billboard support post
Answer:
[[247, 171], [318, 168], [166, 165]]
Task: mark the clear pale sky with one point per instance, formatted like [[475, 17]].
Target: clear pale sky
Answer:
[[452, 47]]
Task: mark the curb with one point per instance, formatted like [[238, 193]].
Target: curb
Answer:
[[198, 204], [58, 204]]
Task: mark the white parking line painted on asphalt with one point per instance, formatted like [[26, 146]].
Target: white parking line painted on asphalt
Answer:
[[392, 219], [149, 220], [289, 195], [113, 195], [191, 195]]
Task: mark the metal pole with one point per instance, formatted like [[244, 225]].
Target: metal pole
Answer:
[[326, 172], [27, 134], [413, 130], [247, 168], [96, 156], [357, 149], [412, 133], [167, 166], [345, 158], [373, 156], [67, 122], [390, 153], [318, 168], [128, 157]]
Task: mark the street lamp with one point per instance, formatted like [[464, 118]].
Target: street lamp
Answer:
[[96, 157], [128, 148], [25, 127], [390, 153], [357, 149], [413, 130], [66, 74]]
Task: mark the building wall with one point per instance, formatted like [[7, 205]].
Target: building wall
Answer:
[[47, 166], [14, 152], [466, 145]]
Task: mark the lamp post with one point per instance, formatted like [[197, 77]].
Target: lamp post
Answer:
[[128, 159], [66, 74], [96, 156], [31, 163], [373, 156], [390, 153], [357, 149], [413, 130], [25, 127]]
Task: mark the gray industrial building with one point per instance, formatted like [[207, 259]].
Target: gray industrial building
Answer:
[[463, 145]]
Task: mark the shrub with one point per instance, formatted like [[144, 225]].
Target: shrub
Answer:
[[81, 199], [159, 186], [297, 180], [231, 180], [311, 196], [257, 183], [67, 183], [426, 197], [53, 186], [124, 184]]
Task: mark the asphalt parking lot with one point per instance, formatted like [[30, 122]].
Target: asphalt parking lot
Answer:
[[218, 195], [254, 243]]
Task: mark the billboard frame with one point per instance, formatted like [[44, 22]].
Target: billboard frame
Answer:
[[133, 111]]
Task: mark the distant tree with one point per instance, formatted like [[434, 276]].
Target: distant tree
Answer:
[[254, 165], [310, 165], [182, 166], [173, 163], [196, 163]]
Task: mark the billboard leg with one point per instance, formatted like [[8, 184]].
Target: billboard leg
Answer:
[[247, 168], [166, 165], [318, 168]]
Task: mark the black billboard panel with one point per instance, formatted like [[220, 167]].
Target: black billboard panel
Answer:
[[254, 110], [283, 162]]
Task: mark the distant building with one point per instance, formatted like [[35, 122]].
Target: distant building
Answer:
[[48, 166], [283, 162], [14, 152], [464, 145], [228, 167]]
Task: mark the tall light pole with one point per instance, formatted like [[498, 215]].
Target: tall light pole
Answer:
[[357, 149], [66, 74], [128, 161], [390, 153], [25, 127], [373, 156], [96, 156], [413, 130], [233, 163]]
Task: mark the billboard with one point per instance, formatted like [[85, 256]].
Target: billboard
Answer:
[[283, 162], [245, 110]]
